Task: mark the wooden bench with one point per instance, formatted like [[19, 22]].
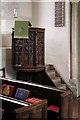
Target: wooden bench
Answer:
[[56, 98], [15, 110]]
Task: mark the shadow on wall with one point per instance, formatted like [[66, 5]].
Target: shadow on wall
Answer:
[[35, 14], [6, 40], [10, 73]]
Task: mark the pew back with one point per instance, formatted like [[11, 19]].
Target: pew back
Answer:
[[54, 96]]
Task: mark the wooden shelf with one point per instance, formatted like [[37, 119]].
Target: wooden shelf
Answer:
[[13, 100]]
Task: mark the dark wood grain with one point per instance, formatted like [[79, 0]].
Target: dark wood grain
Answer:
[[28, 54]]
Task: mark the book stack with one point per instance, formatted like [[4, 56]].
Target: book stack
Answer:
[[33, 100]]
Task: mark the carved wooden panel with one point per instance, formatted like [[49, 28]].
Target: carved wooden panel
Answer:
[[40, 49], [29, 53], [18, 52]]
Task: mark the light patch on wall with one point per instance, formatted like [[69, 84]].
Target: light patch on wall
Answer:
[[3, 26], [7, 9], [49, 0], [15, 1], [6, 26], [0, 57], [6, 40], [42, 0]]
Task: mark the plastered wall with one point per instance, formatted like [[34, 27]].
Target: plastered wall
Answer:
[[57, 39], [24, 12]]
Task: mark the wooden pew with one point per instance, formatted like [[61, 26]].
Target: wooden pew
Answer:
[[56, 98], [15, 110]]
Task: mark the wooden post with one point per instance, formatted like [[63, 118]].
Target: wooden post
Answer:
[[66, 106]]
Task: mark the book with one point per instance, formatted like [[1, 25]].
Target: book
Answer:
[[22, 94], [33, 100], [7, 90], [54, 108]]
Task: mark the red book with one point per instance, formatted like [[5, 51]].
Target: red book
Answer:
[[54, 108], [33, 100], [7, 90]]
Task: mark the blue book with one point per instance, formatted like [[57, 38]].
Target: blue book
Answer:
[[22, 94]]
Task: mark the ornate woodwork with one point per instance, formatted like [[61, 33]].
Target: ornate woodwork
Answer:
[[28, 54]]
